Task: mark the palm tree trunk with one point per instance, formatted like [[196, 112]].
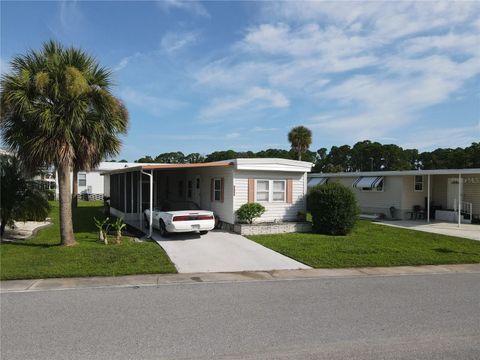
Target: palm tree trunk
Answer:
[[66, 224], [2, 228], [299, 155], [75, 188]]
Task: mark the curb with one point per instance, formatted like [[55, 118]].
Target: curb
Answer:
[[14, 286]]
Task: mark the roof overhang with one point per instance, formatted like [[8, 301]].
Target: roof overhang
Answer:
[[273, 164], [170, 167], [399, 173]]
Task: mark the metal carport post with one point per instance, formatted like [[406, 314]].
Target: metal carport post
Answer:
[[150, 218]]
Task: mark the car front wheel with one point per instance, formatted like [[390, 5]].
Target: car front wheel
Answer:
[[163, 229], [203, 232]]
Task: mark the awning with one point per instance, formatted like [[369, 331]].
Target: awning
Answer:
[[369, 182], [316, 181]]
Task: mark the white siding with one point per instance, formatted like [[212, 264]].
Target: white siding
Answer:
[[224, 210], [373, 201], [274, 211]]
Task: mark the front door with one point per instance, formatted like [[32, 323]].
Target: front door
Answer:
[[452, 192], [197, 195]]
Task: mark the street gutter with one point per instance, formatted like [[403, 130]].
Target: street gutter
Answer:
[[15, 286]]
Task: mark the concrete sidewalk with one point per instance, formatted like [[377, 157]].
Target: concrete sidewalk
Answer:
[[467, 231], [164, 279]]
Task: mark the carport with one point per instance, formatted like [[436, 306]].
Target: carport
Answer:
[[135, 189]]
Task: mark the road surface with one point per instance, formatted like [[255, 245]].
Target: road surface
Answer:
[[392, 317]]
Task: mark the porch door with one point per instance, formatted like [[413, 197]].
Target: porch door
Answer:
[[452, 192], [197, 194]]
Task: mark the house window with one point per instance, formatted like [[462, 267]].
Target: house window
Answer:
[[271, 190], [263, 190], [82, 179], [217, 189], [189, 189], [378, 188], [279, 190], [418, 183]]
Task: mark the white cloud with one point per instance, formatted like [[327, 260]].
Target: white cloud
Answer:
[[192, 6], [175, 41], [157, 106], [253, 99], [263, 129], [124, 62]]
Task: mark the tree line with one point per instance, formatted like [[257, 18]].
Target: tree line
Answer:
[[363, 156]]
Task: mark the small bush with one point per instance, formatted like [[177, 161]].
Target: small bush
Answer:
[[250, 211], [334, 209]]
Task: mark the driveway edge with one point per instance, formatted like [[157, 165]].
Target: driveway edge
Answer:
[[11, 286]]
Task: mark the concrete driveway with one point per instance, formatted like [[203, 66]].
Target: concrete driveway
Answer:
[[221, 251], [467, 231]]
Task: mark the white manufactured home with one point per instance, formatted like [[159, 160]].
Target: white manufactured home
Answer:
[[447, 195], [222, 187]]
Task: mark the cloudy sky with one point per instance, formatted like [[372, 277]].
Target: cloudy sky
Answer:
[[205, 76]]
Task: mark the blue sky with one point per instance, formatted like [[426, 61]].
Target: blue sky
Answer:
[[206, 76]]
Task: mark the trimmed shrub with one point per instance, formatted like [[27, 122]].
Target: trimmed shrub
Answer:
[[248, 212], [334, 209]]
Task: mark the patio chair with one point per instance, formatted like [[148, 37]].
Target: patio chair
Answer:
[[417, 213]]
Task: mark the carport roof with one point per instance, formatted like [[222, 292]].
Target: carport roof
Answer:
[[170, 167]]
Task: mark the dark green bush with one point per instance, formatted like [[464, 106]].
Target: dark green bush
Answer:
[[334, 209], [248, 212]]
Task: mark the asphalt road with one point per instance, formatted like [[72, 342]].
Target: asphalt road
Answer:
[[397, 317]]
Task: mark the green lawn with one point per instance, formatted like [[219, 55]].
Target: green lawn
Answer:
[[43, 257], [372, 244]]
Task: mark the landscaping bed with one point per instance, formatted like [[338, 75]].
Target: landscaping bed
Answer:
[[43, 257], [370, 244]]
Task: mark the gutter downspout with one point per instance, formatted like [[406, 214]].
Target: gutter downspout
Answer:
[[150, 218]]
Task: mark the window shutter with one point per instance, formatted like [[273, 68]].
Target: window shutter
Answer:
[[212, 189], [222, 187], [251, 190], [289, 191]]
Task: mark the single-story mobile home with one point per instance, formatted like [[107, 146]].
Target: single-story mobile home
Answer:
[[415, 194], [222, 187]]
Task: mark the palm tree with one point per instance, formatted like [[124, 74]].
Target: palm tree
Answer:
[[48, 99], [96, 142], [21, 199], [300, 137]]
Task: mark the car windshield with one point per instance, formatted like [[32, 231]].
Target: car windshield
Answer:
[[179, 205]]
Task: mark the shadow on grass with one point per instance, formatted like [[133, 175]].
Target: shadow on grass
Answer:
[[83, 218], [29, 244]]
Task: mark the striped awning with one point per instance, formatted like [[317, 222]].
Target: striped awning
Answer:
[[316, 181], [369, 182]]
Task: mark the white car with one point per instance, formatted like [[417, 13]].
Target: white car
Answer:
[[182, 216]]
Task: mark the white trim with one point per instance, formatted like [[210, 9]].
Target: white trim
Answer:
[[270, 191], [398, 173]]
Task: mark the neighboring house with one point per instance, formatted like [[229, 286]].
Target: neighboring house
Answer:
[[223, 186], [413, 193], [91, 184]]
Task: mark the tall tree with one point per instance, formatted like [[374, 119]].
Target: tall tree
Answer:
[[300, 138], [46, 100]]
